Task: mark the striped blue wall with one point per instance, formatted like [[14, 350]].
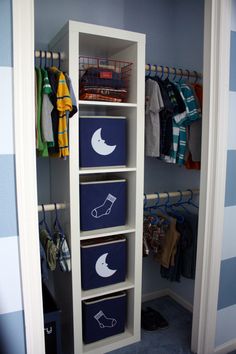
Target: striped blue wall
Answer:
[[12, 336], [226, 314]]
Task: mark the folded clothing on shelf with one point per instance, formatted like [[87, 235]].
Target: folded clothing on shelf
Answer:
[[104, 82]]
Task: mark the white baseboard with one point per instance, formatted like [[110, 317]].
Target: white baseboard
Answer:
[[226, 347], [154, 295], [167, 292], [187, 305]]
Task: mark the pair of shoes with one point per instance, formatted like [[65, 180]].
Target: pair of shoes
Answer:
[[148, 320], [161, 322]]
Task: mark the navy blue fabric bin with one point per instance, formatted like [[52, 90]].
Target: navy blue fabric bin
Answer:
[[52, 323], [102, 141], [103, 261], [104, 317], [102, 204]]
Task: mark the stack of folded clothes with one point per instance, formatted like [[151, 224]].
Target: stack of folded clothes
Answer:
[[103, 84]]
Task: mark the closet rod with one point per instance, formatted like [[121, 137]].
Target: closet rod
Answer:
[[51, 207], [173, 71], [49, 55], [171, 194], [148, 67]]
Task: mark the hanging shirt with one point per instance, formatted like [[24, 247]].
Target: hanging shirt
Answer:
[[195, 129], [192, 114], [170, 246], [178, 130], [47, 107], [192, 108], [166, 115], [41, 144], [62, 104], [72, 95], [154, 104]]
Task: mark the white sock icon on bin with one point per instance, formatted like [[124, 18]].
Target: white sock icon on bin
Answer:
[[104, 321], [105, 207]]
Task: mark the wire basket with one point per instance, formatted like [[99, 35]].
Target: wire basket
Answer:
[[103, 79]]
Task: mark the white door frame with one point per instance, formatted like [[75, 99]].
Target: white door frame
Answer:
[[216, 70], [26, 180], [212, 185]]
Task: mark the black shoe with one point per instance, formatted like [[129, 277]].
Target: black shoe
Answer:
[[161, 322], [148, 320]]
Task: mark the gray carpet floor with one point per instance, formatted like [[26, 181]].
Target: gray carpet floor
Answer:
[[176, 339]]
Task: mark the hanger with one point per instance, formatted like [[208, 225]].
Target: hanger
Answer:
[[149, 70], [188, 74], [149, 210], [160, 207], [196, 76], [43, 222], [168, 72], [156, 71], [57, 225], [190, 200], [175, 213], [162, 71], [45, 60], [175, 73], [40, 59], [59, 60], [181, 73], [51, 58], [145, 202]]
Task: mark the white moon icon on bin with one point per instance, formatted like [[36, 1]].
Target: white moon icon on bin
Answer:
[[99, 145], [102, 268]]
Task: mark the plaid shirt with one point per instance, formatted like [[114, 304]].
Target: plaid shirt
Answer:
[[63, 252]]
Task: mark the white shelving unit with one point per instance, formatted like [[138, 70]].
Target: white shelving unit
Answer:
[[73, 40]]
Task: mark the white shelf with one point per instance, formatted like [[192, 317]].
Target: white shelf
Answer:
[[110, 343], [93, 170], [88, 294], [103, 103], [73, 40], [118, 230]]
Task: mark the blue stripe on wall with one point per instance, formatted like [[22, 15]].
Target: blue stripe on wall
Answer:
[[8, 214], [227, 286], [12, 336], [230, 192], [6, 33]]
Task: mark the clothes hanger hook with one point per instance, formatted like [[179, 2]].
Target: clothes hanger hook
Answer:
[[162, 71], [43, 210], [191, 195], [149, 69], [181, 73], [145, 200], [158, 199], [155, 66], [188, 74], [175, 73], [168, 72], [168, 199], [181, 196], [40, 58], [196, 76], [45, 59], [51, 54], [59, 60], [55, 206]]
